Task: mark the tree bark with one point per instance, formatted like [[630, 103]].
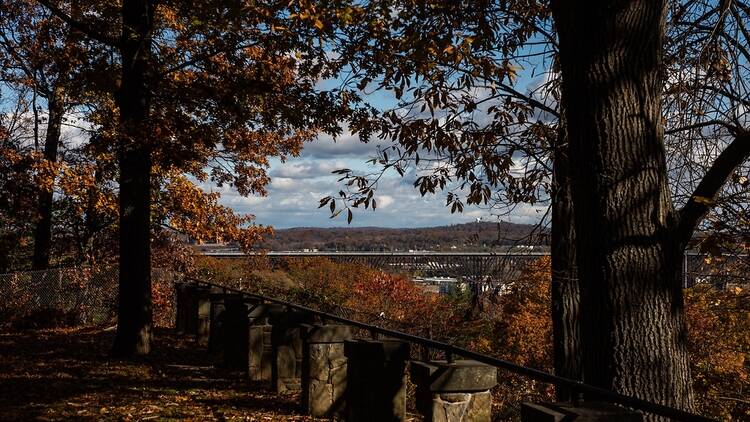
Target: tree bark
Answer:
[[43, 229], [632, 320], [134, 156], [565, 290]]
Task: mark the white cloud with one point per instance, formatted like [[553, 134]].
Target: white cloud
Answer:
[[346, 145], [384, 201]]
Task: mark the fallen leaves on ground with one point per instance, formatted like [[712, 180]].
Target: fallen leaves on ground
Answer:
[[67, 374]]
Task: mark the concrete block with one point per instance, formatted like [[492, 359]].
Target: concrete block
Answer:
[[454, 392], [376, 380], [462, 376]]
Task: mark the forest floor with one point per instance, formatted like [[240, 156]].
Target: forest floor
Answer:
[[67, 374]]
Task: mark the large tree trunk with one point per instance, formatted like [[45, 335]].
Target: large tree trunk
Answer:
[[632, 325], [565, 293], [134, 310], [43, 229]]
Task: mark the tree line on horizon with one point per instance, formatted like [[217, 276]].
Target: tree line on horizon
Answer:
[[468, 237]]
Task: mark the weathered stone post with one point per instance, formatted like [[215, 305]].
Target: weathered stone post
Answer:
[[454, 391], [286, 341], [260, 349], [584, 411], [324, 370], [376, 380], [181, 304], [203, 305], [196, 307], [216, 322], [234, 338]]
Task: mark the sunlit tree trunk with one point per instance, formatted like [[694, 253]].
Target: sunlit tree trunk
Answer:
[[632, 321]]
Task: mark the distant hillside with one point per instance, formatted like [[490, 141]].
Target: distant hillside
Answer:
[[483, 236]]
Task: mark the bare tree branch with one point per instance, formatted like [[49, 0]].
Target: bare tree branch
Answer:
[[707, 190], [732, 128], [91, 33]]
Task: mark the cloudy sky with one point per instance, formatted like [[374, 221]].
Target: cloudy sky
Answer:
[[298, 185]]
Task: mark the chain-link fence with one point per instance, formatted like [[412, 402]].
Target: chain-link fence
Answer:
[[73, 297], [58, 297]]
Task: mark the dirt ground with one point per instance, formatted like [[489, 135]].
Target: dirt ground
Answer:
[[67, 375]]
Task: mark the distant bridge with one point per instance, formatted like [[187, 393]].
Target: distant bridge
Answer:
[[471, 265], [477, 266]]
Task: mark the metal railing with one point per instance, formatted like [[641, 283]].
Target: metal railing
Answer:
[[575, 386]]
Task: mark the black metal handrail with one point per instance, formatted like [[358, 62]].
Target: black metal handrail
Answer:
[[575, 386]]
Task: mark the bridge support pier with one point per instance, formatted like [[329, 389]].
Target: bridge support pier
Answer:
[[376, 380], [454, 391], [286, 341], [584, 411], [324, 370]]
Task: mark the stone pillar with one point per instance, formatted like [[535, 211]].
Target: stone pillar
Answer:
[[581, 412], [324, 370], [181, 303], [195, 295], [376, 380], [286, 342], [203, 305], [454, 392], [235, 342], [216, 322], [260, 350]]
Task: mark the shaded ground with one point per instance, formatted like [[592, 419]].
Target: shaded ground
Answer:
[[67, 374]]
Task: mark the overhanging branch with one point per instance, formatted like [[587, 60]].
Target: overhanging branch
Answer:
[[77, 25], [709, 187]]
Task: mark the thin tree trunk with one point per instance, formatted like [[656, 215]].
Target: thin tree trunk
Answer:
[[632, 318], [134, 307], [91, 220], [57, 99], [565, 290], [43, 229]]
